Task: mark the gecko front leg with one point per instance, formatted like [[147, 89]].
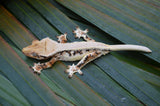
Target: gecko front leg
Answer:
[[82, 34], [86, 59], [37, 68], [62, 38]]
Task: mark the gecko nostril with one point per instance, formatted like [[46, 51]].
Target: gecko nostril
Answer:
[[23, 50]]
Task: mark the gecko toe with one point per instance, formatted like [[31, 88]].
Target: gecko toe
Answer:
[[38, 72], [69, 76], [66, 71], [81, 74], [34, 72]]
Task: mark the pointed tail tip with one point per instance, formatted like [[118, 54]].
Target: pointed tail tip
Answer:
[[146, 49]]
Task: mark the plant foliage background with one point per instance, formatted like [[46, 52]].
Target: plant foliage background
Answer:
[[119, 78]]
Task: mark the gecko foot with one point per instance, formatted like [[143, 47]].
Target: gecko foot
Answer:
[[82, 34], [73, 69], [62, 38], [37, 68]]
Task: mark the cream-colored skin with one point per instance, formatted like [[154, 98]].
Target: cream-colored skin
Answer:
[[83, 51]]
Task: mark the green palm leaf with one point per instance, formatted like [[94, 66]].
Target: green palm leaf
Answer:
[[119, 78]]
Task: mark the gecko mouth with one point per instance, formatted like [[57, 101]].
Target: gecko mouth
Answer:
[[33, 55], [28, 53]]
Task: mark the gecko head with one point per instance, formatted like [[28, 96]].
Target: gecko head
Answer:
[[39, 49], [34, 49]]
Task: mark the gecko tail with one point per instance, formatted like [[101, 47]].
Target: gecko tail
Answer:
[[128, 47]]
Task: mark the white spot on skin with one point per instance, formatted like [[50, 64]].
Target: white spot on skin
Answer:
[[72, 52], [83, 51], [66, 57], [65, 54]]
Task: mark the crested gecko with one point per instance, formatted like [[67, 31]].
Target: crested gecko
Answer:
[[83, 51]]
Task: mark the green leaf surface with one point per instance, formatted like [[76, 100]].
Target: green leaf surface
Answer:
[[8, 91], [119, 78], [76, 90], [115, 26], [144, 71], [21, 76]]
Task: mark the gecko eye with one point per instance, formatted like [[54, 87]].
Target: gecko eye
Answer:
[[34, 54]]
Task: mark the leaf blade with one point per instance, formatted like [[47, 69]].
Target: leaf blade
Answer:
[[114, 27]]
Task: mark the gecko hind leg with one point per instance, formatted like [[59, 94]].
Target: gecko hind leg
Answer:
[[82, 34], [62, 38], [86, 59], [38, 67]]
